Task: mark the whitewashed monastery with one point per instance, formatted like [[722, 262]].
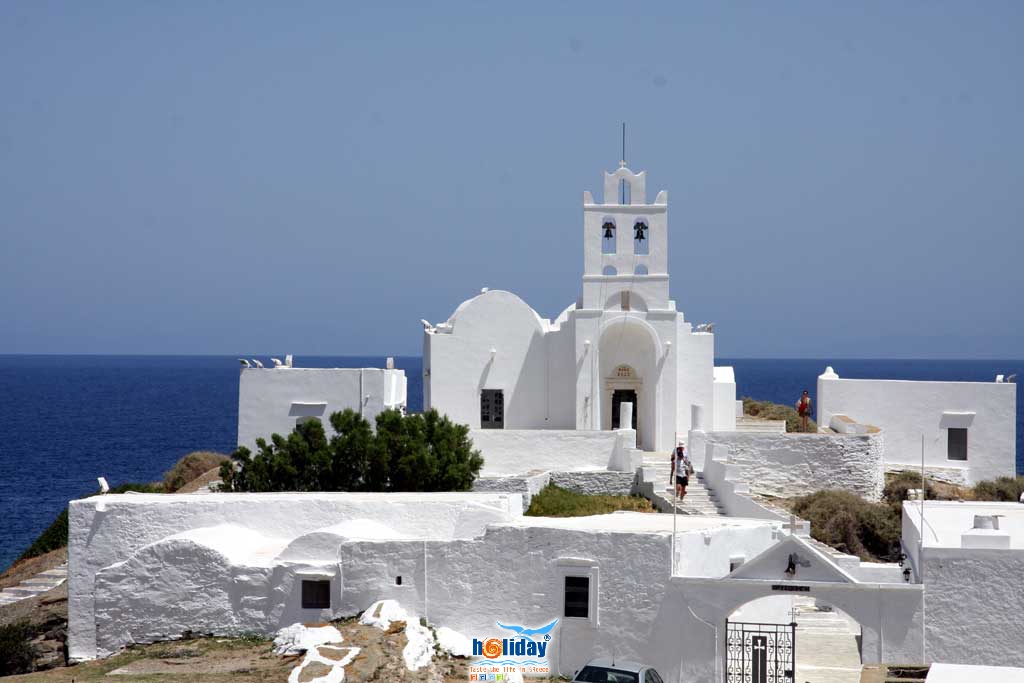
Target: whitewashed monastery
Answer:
[[593, 401]]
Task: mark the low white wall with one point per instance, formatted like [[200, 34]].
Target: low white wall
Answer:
[[273, 400], [906, 410], [509, 452], [798, 464], [107, 530]]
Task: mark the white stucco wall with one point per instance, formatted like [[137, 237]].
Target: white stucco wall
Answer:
[[906, 410], [695, 376], [975, 604], [514, 574], [99, 540], [273, 400], [461, 364], [508, 452], [724, 408], [798, 464]]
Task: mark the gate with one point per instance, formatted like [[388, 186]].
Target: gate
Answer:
[[759, 653]]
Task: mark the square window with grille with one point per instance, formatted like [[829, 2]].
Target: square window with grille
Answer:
[[316, 595], [492, 409], [956, 447], [577, 596]]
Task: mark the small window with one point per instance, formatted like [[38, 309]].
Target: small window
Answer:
[[577, 596], [492, 409], [956, 448], [640, 270], [398, 580], [608, 244], [609, 270], [735, 562], [625, 301], [316, 595]]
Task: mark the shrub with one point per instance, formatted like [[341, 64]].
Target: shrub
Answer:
[[897, 485], [554, 501], [1001, 488], [423, 452], [191, 466], [16, 650], [766, 410], [843, 520]]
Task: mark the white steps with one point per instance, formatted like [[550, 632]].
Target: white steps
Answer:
[[38, 584], [699, 499]]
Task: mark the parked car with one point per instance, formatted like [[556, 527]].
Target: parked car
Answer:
[[609, 670]]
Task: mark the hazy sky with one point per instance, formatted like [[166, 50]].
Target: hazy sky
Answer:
[[845, 179]]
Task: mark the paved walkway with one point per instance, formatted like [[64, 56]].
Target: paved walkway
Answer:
[[40, 583], [826, 646]]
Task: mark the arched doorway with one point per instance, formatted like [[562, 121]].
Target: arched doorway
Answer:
[[628, 373], [792, 637]]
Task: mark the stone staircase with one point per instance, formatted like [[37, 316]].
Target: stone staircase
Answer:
[[40, 583], [699, 499]]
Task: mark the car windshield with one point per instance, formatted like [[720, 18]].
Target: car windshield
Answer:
[[600, 674]]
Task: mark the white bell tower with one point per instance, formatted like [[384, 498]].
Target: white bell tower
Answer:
[[625, 245]]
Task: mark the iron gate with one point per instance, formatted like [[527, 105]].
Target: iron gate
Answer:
[[759, 653]]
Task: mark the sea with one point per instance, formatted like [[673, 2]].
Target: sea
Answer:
[[66, 420]]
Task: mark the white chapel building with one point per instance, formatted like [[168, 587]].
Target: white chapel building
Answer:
[[496, 364]]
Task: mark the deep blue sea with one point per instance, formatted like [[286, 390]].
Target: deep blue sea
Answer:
[[65, 420]]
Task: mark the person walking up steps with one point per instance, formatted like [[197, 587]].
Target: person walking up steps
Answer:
[[681, 471]]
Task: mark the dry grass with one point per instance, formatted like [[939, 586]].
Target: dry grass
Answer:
[[190, 467]]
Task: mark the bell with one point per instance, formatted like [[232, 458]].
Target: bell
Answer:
[[608, 234], [640, 228]]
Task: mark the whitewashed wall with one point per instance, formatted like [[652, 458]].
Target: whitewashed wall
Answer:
[[461, 365], [907, 410], [273, 400], [128, 523], [975, 606], [798, 464], [516, 574], [695, 363], [508, 452], [724, 413]]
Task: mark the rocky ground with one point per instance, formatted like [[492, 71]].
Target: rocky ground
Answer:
[[47, 612], [250, 660]]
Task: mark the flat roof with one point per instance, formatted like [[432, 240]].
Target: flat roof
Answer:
[[636, 522], [946, 520]]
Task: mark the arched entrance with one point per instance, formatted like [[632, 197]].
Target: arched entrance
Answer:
[[629, 373], [792, 637]]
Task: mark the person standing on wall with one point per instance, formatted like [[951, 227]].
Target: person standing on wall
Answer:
[[681, 471], [803, 408]]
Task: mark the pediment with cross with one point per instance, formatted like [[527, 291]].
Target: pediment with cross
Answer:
[[792, 559]]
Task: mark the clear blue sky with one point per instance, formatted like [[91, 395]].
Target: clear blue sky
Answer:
[[845, 179]]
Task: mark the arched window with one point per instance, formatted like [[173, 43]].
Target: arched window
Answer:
[[640, 270], [641, 237], [608, 237], [609, 270]]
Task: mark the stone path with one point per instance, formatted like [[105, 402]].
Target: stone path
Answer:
[[699, 499], [826, 646], [40, 583]]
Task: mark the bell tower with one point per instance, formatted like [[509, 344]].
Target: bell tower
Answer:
[[625, 245]]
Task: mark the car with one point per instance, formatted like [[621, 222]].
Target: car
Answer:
[[610, 670]]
